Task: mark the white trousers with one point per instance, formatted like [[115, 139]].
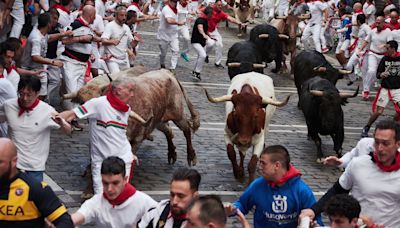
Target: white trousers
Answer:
[[268, 13], [354, 63], [73, 73], [174, 45], [43, 82], [116, 65], [370, 76], [96, 175], [18, 16], [185, 36], [322, 37], [282, 10], [313, 30], [218, 46], [202, 53], [53, 82]]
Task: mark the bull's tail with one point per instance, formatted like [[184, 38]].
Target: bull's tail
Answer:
[[195, 116]]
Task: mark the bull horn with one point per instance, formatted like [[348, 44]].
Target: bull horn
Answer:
[[283, 36], [218, 99], [319, 69], [317, 93], [70, 95], [258, 65], [267, 100], [281, 17], [233, 64], [344, 71], [349, 95], [263, 36], [137, 117]]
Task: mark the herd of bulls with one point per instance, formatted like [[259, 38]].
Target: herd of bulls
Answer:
[[250, 100]]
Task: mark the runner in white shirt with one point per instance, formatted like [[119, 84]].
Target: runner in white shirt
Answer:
[[358, 63], [282, 7], [34, 56], [183, 16], [168, 33], [117, 38], [29, 125], [377, 39], [7, 91], [319, 15], [120, 205], [64, 9], [108, 120], [369, 10]]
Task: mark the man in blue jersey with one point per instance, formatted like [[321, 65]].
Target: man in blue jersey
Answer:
[[279, 195]]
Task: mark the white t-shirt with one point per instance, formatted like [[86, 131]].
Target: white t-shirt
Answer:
[[13, 77], [182, 12], [369, 10], [7, 91], [100, 8], [64, 19], [31, 133], [316, 10], [115, 31], [36, 45], [107, 129], [99, 210], [378, 192], [167, 31], [378, 40]]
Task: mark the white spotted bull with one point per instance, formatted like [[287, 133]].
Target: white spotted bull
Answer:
[[250, 104]]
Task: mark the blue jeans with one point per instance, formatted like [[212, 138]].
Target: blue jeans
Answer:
[[37, 175]]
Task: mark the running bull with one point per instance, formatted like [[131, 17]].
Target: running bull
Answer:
[[309, 64], [267, 41], [321, 103], [250, 104], [162, 99], [244, 57]]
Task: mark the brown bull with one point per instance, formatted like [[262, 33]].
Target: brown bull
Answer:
[[249, 109], [159, 98]]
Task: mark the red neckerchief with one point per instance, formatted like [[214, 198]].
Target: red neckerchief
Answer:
[[390, 168], [136, 4], [358, 11], [23, 109], [175, 10], [184, 5], [177, 217], [115, 102], [12, 67], [292, 172], [397, 54], [61, 7], [128, 191], [82, 21]]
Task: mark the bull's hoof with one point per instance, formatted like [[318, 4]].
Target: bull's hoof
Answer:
[[239, 174], [172, 158], [320, 160], [192, 161]]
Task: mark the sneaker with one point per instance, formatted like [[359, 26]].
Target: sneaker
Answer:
[[206, 59], [324, 50], [364, 132], [365, 95], [184, 56], [219, 66], [196, 75]]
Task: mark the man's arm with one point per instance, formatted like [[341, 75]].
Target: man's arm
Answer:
[[172, 21], [77, 219], [68, 115], [233, 20], [78, 39]]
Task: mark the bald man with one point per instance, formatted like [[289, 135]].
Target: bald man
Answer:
[[25, 201], [77, 53]]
